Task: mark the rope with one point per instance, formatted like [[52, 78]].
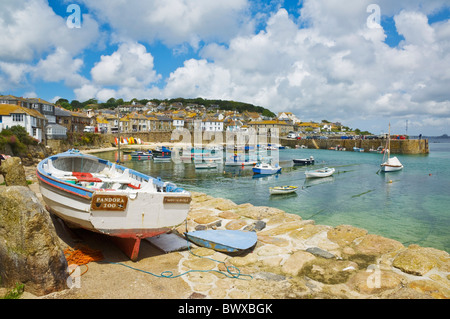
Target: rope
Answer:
[[82, 255], [169, 274]]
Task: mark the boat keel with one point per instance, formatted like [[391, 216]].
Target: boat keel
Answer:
[[130, 245]]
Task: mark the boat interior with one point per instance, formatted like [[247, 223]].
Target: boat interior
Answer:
[[98, 174]]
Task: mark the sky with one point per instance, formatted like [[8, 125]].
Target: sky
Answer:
[[364, 63]]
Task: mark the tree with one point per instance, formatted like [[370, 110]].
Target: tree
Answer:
[[76, 104]]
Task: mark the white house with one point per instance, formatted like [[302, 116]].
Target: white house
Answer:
[[288, 116], [33, 121], [212, 125], [178, 123]]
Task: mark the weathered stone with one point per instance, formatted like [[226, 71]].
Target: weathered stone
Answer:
[[320, 252], [306, 231], [431, 288], [228, 215], [256, 226], [271, 250], [29, 247], [344, 235], [419, 260], [244, 260], [273, 240], [329, 271], [282, 229], [206, 220], [374, 281], [377, 245], [199, 264], [269, 276], [295, 262], [219, 203], [236, 224], [13, 172], [257, 212]]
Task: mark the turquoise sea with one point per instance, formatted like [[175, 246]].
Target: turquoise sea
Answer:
[[411, 206]]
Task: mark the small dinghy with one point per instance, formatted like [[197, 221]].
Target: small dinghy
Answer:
[[227, 241], [277, 190], [322, 172]]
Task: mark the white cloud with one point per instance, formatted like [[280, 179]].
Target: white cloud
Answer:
[[130, 66], [29, 29], [60, 66], [173, 22], [336, 68]]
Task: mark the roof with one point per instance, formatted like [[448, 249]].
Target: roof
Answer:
[[269, 122], [38, 100], [7, 109]]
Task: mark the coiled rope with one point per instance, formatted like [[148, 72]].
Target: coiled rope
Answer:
[[81, 255]]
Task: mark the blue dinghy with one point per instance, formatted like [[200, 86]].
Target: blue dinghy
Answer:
[[227, 241]]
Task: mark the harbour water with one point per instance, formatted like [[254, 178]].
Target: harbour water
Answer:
[[411, 206]]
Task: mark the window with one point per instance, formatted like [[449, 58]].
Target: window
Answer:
[[17, 117]]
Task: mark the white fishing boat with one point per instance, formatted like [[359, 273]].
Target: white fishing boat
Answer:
[[390, 164], [321, 172], [278, 190], [94, 194], [266, 169]]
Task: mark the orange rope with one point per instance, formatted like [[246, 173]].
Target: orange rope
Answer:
[[82, 255]]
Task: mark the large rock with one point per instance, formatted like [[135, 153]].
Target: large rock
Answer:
[[344, 235], [13, 172], [257, 212], [375, 245], [418, 260], [29, 247]]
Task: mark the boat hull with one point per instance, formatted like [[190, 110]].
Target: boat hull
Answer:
[[303, 162], [282, 190], [263, 171], [227, 241], [320, 173], [390, 168]]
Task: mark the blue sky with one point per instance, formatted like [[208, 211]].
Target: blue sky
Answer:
[[319, 59]]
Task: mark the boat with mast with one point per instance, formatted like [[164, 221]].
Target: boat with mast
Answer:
[[390, 164]]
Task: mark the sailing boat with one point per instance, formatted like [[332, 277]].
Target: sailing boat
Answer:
[[392, 164]]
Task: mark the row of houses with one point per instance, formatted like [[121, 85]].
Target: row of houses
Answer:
[[44, 120]]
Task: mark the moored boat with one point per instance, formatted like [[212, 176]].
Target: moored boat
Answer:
[[303, 161], [392, 164], [266, 169], [278, 190], [321, 172], [94, 194], [141, 155]]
